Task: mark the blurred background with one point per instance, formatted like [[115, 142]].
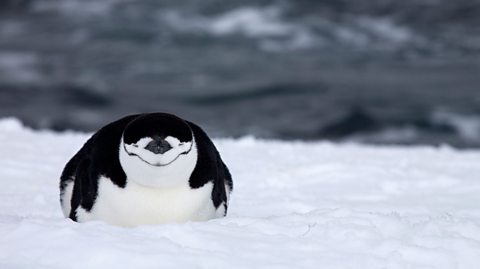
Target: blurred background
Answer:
[[377, 71]]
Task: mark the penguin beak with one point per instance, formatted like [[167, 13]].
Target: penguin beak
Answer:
[[158, 146]]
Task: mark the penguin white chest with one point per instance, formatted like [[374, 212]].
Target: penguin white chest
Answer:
[[136, 204]]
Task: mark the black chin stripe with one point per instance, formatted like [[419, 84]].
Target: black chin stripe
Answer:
[[158, 165]]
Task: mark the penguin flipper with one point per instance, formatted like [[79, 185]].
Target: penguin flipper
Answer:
[[82, 189]]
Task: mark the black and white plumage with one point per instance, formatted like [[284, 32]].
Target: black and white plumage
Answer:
[[146, 169]]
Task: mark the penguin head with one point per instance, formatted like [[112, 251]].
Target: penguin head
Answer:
[[158, 149]]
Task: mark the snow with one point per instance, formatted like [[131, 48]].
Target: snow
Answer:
[[294, 205]]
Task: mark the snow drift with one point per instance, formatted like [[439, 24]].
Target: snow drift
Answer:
[[295, 205]]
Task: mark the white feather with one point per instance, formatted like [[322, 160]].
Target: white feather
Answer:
[[176, 173], [66, 198], [136, 204]]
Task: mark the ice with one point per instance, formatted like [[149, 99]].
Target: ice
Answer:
[[264, 23], [468, 126], [250, 21], [295, 205], [19, 67], [386, 29], [76, 8], [275, 31]]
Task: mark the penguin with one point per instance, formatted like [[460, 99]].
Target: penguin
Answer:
[[145, 169]]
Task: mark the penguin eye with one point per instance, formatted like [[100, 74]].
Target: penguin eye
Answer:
[[135, 145]]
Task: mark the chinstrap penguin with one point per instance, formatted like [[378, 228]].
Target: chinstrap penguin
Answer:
[[146, 169]]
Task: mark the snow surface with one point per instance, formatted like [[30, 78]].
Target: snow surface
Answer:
[[294, 205]]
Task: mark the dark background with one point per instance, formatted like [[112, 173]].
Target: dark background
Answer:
[[379, 71]]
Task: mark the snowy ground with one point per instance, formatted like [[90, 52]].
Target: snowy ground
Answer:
[[295, 205]]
